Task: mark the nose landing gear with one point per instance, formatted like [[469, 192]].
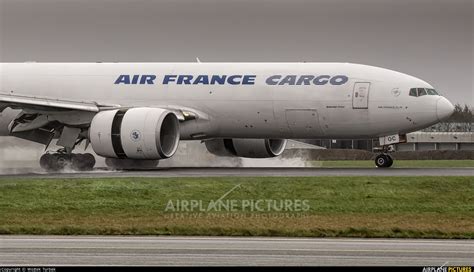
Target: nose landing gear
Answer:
[[61, 160], [384, 160]]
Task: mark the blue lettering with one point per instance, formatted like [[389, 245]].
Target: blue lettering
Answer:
[[218, 79], [249, 80], [201, 80], [290, 80], [123, 79], [169, 78], [306, 80], [339, 80], [135, 79], [233, 80], [148, 79], [273, 80], [321, 80], [186, 79]]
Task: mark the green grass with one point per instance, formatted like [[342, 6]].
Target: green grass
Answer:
[[427, 207], [398, 163]]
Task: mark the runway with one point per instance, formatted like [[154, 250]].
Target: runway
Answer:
[[242, 172], [149, 251]]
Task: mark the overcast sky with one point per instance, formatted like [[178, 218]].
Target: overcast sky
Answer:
[[430, 39]]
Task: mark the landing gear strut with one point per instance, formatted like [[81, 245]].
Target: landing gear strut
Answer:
[[60, 160], [384, 160]]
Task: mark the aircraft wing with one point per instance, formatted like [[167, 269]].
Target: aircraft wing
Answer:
[[35, 103], [42, 118]]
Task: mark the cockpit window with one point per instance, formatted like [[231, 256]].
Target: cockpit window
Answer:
[[431, 92], [421, 91]]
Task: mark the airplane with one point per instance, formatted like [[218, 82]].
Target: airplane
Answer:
[[135, 114]]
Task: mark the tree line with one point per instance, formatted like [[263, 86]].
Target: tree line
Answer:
[[462, 120], [462, 114]]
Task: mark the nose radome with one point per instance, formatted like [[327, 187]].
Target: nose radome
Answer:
[[444, 108]]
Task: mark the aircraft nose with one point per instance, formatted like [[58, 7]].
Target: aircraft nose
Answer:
[[444, 108]]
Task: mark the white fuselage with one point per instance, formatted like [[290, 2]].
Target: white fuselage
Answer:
[[243, 100]]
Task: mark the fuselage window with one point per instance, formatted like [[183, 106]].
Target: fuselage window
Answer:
[[413, 92], [421, 91]]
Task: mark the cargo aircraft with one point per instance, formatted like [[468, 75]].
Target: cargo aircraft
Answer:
[[135, 114]]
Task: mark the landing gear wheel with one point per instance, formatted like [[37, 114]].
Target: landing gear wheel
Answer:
[[90, 160], [82, 162], [62, 161], [46, 161], [383, 160], [59, 161], [390, 161]]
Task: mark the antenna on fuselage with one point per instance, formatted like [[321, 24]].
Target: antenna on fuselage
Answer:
[[198, 60]]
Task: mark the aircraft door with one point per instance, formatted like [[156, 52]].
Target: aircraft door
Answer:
[[360, 95]]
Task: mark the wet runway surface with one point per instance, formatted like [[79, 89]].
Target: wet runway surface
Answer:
[[116, 250], [242, 172]]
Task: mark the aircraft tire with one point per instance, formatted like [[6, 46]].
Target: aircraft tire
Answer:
[[82, 162], [390, 161], [46, 161], [383, 161], [59, 161]]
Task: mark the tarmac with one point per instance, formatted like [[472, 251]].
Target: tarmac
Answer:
[[226, 251]]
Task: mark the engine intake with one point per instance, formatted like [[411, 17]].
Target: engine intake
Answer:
[[247, 148], [137, 133]]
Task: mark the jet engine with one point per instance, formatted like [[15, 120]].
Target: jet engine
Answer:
[[248, 148], [136, 133]]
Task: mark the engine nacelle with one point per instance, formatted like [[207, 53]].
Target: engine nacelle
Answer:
[[137, 133], [247, 148]]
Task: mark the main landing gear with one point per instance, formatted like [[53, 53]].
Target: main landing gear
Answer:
[[61, 160], [384, 160]]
